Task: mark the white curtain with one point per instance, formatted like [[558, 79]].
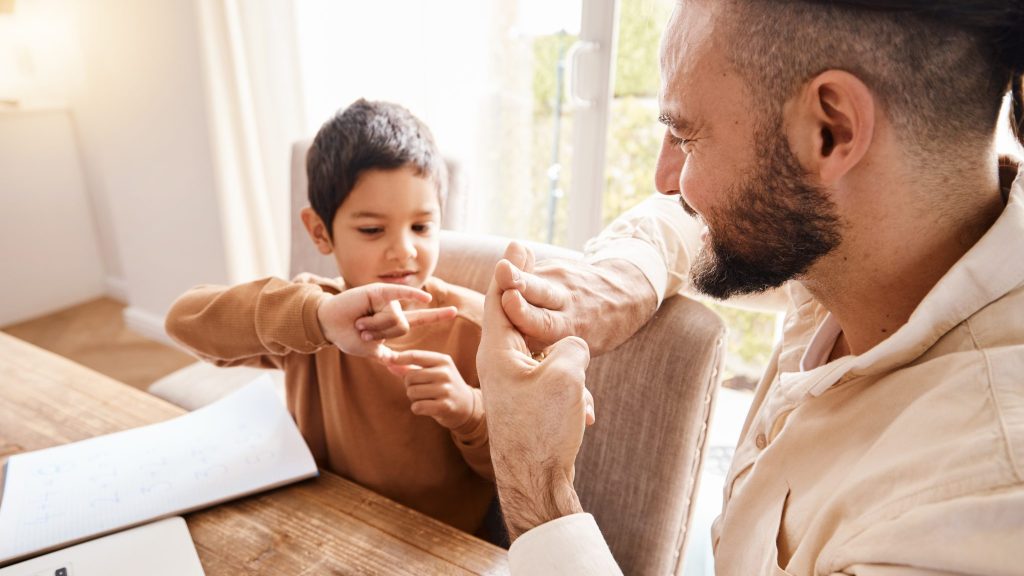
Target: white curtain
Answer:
[[254, 97]]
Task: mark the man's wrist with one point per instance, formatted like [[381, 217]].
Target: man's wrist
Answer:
[[547, 499], [629, 301]]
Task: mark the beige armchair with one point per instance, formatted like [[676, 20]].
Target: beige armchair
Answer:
[[638, 469]]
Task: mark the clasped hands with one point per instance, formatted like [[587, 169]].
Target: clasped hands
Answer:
[[537, 405], [537, 410]]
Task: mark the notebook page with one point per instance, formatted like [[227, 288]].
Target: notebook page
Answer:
[[244, 443]]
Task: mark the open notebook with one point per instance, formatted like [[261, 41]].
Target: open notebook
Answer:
[[162, 548], [244, 443]]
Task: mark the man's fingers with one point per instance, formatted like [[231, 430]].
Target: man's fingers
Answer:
[[571, 356], [423, 358], [420, 317], [536, 323], [570, 352], [537, 291], [520, 256], [499, 335]]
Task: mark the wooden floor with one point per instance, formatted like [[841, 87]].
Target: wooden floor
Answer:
[[94, 335]]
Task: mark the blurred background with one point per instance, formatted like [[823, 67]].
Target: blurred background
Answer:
[[144, 148]]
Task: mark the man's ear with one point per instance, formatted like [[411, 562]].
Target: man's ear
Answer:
[[317, 230], [831, 124]]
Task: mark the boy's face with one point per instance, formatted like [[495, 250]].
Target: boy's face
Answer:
[[387, 229]]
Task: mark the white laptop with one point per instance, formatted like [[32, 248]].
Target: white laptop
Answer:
[[162, 548]]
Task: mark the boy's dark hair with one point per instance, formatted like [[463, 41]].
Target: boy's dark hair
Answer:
[[939, 67], [368, 136]]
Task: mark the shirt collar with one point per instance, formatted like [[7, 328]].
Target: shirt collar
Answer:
[[987, 272]]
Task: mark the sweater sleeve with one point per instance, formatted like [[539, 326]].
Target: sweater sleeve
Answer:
[[252, 324], [472, 440], [463, 341]]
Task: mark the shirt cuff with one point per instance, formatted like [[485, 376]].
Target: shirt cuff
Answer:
[[639, 253], [567, 546]]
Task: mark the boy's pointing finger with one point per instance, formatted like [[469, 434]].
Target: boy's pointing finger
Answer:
[[420, 317]]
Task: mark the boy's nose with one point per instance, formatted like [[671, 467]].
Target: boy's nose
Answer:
[[402, 249]]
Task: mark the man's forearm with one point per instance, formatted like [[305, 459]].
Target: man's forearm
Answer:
[[627, 301], [529, 502]]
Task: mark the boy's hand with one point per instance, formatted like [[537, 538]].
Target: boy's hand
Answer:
[[359, 319], [435, 387]]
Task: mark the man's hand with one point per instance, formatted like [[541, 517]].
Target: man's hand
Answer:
[[435, 387], [603, 303], [359, 319], [536, 415]]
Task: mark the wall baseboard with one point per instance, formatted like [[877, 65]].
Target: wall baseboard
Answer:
[[116, 288], [147, 324]]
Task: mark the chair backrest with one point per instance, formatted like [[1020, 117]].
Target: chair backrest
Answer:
[[638, 468]]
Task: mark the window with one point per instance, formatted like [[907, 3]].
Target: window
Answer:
[[484, 76]]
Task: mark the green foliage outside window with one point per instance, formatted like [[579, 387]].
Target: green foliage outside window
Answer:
[[634, 139]]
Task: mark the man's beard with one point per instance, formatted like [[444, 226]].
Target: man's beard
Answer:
[[775, 226]]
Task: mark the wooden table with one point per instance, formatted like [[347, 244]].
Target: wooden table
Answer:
[[325, 525]]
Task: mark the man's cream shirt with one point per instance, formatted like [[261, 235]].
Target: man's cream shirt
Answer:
[[905, 460]]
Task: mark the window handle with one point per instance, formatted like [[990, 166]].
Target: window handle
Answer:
[[572, 57]]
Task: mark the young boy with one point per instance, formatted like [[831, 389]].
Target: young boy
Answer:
[[402, 416]]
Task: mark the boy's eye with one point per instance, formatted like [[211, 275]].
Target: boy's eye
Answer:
[[422, 228], [370, 230]]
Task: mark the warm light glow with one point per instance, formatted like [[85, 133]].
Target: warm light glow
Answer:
[[543, 17], [39, 53], [15, 67]]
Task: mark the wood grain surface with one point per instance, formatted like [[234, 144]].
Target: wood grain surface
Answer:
[[325, 525]]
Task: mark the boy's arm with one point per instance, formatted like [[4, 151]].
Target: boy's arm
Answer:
[[252, 324], [472, 440], [436, 388]]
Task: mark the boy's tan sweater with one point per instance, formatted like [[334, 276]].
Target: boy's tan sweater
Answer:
[[353, 412]]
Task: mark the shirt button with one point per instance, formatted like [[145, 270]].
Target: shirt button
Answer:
[[761, 441]]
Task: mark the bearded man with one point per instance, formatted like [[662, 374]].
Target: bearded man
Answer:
[[841, 155]]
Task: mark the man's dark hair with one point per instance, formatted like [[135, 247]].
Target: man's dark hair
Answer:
[[940, 68], [368, 136]]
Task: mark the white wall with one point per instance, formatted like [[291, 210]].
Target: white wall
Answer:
[[49, 256], [141, 119]]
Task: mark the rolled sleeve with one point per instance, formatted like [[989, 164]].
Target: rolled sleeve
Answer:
[[567, 546], [657, 237]]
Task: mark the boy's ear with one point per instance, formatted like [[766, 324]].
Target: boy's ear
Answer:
[[831, 124], [317, 230]]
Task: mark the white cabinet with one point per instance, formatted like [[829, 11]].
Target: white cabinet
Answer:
[[49, 250]]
